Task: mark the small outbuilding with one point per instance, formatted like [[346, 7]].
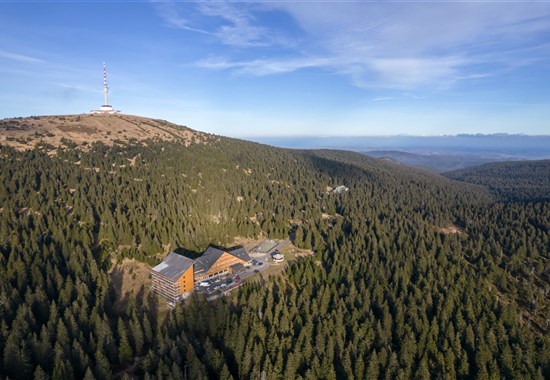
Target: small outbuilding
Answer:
[[277, 257], [237, 268], [340, 189]]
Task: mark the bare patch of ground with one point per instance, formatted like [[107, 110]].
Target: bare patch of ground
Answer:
[[248, 243], [326, 216], [291, 254], [451, 230], [133, 160], [129, 277], [28, 211], [216, 218]]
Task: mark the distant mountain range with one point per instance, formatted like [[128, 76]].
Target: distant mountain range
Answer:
[[529, 146], [437, 153], [438, 162]]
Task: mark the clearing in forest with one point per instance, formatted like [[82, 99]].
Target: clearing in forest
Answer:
[[451, 230], [129, 277]]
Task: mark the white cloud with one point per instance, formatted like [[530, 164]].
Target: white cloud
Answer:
[[381, 99], [234, 25], [261, 67], [385, 72], [171, 15], [411, 72], [19, 57], [238, 29], [395, 45]]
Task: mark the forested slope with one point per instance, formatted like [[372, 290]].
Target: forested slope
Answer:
[[510, 181], [386, 295]]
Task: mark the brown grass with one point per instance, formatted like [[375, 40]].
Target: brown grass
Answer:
[[25, 133], [451, 230], [128, 278], [291, 254]]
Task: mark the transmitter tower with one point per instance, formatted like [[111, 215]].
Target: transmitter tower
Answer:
[[105, 107]]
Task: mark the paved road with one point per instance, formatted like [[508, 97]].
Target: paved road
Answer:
[[280, 246]]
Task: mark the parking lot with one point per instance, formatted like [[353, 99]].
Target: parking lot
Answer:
[[217, 286]]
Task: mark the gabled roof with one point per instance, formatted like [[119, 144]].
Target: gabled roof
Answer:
[[241, 254], [173, 266], [207, 259], [211, 255]]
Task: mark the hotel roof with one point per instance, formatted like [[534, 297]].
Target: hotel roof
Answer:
[[207, 259], [241, 254], [173, 266], [211, 255]]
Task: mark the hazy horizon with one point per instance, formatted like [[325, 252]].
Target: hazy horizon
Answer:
[[490, 147]]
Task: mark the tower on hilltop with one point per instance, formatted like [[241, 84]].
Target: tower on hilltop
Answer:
[[105, 107]]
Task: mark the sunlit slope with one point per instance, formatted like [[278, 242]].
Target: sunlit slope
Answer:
[[83, 130]]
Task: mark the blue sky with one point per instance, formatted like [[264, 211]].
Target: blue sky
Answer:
[[285, 68]]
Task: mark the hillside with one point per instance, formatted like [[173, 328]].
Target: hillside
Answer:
[[523, 181], [438, 162], [81, 130], [392, 291]]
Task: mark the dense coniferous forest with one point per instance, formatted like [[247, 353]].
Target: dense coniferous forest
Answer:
[[389, 292], [510, 181]]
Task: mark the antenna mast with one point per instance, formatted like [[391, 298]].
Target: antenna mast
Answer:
[[105, 87], [105, 108]]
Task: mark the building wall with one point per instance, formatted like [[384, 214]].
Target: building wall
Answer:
[[186, 281], [173, 290], [165, 287]]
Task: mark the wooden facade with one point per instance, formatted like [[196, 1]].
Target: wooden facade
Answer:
[[222, 265]]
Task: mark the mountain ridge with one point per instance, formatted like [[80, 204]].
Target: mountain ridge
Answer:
[[509, 180], [83, 129]]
